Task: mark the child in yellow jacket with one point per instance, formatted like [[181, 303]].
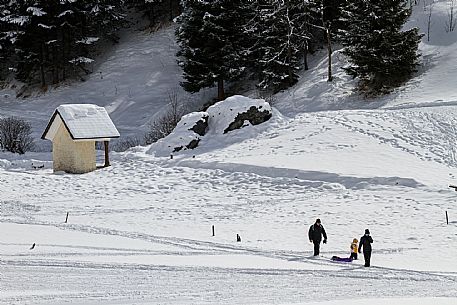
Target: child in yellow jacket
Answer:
[[354, 248]]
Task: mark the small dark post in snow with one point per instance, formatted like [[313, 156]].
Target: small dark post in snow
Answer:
[[447, 218], [66, 219], [171, 156], [213, 231], [238, 238]]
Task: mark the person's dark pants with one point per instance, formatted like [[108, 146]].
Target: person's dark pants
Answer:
[[353, 255], [316, 247], [367, 256]]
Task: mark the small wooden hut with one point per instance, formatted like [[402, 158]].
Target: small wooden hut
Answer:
[[74, 130]]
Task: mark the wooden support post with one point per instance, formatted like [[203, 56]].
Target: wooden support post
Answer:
[[447, 218], [106, 143], [238, 238], [213, 231], [66, 219]]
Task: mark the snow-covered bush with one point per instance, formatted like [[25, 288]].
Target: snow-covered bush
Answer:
[[15, 135]]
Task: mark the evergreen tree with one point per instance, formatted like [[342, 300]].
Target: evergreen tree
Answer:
[[7, 38], [381, 55], [157, 11], [209, 36], [105, 17], [279, 45], [52, 39]]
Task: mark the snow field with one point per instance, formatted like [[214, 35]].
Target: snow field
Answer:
[[147, 221]]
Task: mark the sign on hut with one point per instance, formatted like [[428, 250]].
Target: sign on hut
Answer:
[[74, 130]]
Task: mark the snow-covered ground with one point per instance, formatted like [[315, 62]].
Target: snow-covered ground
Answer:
[[140, 231]]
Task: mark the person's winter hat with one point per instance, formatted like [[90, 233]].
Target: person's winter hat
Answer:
[[318, 220], [367, 232]]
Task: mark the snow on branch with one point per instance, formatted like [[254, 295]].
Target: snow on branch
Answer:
[[88, 40], [81, 60], [36, 11]]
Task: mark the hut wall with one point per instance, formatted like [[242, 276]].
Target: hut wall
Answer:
[[70, 156]]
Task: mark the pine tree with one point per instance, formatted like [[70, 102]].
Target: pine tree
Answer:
[[209, 36], [279, 45], [53, 39], [105, 17], [7, 38], [157, 11], [381, 55]]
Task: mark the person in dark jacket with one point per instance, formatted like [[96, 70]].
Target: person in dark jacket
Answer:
[[315, 234], [365, 244]]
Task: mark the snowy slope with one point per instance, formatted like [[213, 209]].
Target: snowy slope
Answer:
[[433, 84], [133, 84], [140, 231]]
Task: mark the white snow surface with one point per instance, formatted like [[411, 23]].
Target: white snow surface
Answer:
[[86, 121], [140, 231]]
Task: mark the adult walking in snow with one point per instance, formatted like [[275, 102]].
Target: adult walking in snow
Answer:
[[315, 234], [365, 244]]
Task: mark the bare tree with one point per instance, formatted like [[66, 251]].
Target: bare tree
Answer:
[[268, 97], [429, 20], [328, 32], [451, 21], [327, 27], [15, 135], [163, 126], [125, 143]]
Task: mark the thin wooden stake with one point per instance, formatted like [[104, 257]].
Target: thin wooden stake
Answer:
[[66, 219], [447, 218], [213, 231]]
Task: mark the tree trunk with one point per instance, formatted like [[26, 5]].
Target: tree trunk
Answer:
[[42, 73], [290, 69], [329, 48], [220, 90], [305, 55], [171, 10]]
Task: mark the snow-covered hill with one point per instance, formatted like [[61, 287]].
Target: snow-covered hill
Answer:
[[133, 83], [140, 231]]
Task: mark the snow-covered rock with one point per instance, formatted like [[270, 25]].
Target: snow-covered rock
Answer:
[[187, 134], [232, 113], [236, 112]]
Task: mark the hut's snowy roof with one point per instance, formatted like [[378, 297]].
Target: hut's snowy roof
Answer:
[[83, 121]]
